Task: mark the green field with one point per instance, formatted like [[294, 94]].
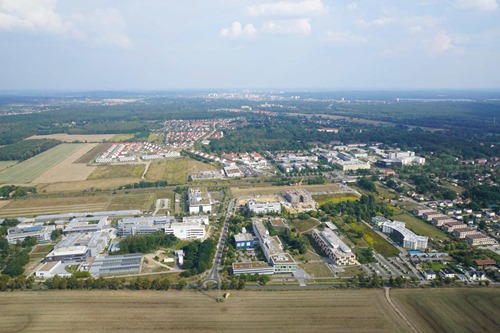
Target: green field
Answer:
[[305, 225], [334, 198], [5, 164], [30, 169], [378, 243], [420, 227]]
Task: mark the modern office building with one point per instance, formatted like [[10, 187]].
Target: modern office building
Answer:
[[407, 238], [337, 250]]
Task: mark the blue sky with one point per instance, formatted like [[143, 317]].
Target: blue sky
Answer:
[[288, 44]]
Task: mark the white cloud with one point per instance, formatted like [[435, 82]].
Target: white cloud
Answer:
[[483, 5], [288, 8], [413, 22], [338, 37], [34, 15], [104, 27], [443, 42], [352, 6], [295, 26], [237, 30]]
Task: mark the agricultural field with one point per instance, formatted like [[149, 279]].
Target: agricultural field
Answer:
[[121, 137], [27, 171], [117, 171], [421, 227], [78, 186], [54, 205], [450, 310], [64, 137], [68, 170], [90, 156], [191, 311], [6, 164]]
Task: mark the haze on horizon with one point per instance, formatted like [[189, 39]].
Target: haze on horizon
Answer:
[[199, 44]]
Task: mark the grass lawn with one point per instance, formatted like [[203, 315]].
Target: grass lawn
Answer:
[[121, 137], [420, 227], [133, 200], [304, 225], [316, 269], [378, 243], [117, 171]]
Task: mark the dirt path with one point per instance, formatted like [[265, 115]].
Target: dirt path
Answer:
[[399, 312], [145, 170]]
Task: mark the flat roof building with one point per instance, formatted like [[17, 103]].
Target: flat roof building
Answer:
[[244, 241], [21, 231], [334, 247], [199, 201], [264, 207], [259, 267], [86, 224], [120, 264], [408, 238]]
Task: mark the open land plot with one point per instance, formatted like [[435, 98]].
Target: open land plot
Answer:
[[34, 167], [67, 170], [420, 227], [118, 171], [103, 184], [243, 191], [121, 137], [64, 137], [41, 206], [133, 200], [6, 164], [171, 170], [244, 311], [90, 156], [334, 198], [451, 310]]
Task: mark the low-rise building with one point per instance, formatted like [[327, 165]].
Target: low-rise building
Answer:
[[244, 241], [199, 201], [334, 247], [86, 224], [69, 254], [253, 267], [96, 242], [143, 225], [463, 232], [452, 226], [440, 220], [446, 273], [120, 264], [419, 211], [480, 239], [50, 269], [430, 275], [264, 208], [21, 231]]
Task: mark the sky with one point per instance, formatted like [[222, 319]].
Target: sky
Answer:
[[249, 44]]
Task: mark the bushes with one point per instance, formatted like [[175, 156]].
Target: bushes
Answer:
[[146, 243]]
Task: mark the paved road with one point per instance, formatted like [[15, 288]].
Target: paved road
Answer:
[[213, 276]]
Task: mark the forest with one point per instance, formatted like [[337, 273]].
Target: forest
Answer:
[[22, 150]]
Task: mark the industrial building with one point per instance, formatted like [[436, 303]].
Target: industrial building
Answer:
[[408, 238], [337, 250]]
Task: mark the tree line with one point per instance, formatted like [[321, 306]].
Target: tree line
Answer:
[[146, 243], [25, 149]]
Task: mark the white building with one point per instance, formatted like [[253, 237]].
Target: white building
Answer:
[[200, 219], [21, 231], [264, 208], [407, 237], [199, 201], [86, 224], [186, 230]]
